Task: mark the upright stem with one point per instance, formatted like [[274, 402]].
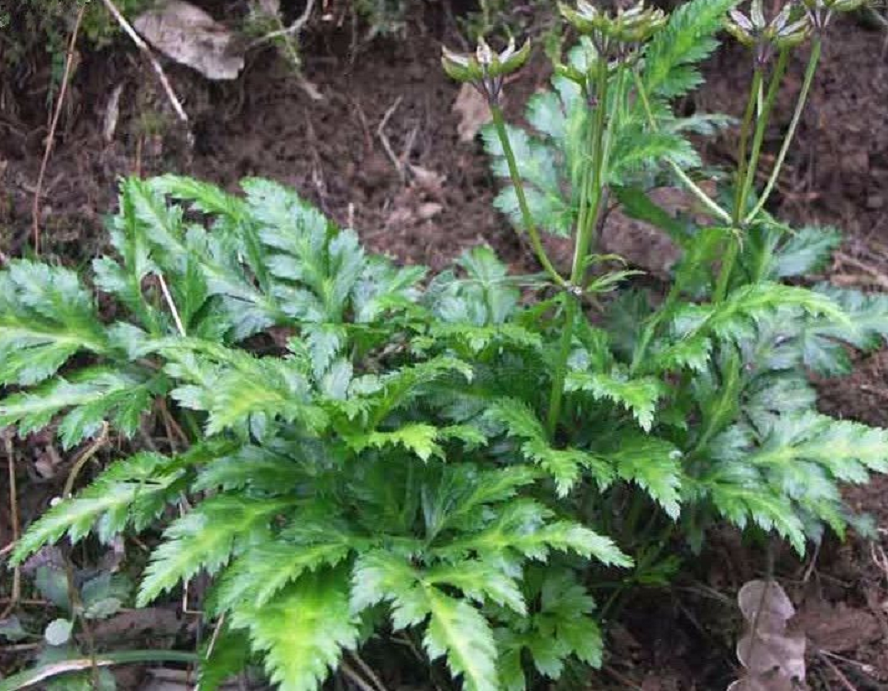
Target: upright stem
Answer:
[[650, 329], [747, 172], [744, 139], [761, 126], [707, 201], [518, 183], [557, 395], [816, 50], [590, 207], [589, 215]]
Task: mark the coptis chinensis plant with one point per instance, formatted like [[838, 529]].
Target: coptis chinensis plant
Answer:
[[446, 462]]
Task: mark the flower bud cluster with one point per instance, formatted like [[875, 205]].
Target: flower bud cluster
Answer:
[[614, 34], [485, 68], [821, 11], [754, 31]]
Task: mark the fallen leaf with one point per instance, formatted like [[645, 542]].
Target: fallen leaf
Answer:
[[429, 210], [473, 112], [428, 181], [837, 628], [773, 657], [644, 245], [112, 114], [137, 623], [190, 36]]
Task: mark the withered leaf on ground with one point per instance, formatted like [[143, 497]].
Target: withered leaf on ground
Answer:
[[772, 655], [190, 36], [473, 112]]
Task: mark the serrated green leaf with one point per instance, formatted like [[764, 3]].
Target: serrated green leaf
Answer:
[[418, 438], [303, 630], [132, 491], [639, 395], [204, 539], [655, 465], [46, 316], [459, 631], [687, 39]]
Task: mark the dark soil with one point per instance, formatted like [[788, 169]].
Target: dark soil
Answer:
[[332, 151]]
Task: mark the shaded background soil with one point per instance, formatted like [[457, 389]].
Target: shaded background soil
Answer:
[[332, 152]]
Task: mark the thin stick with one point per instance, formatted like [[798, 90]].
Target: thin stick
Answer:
[[380, 132], [172, 305], [215, 637], [47, 152], [295, 27], [835, 670], [131, 32], [16, 593], [354, 677], [91, 451], [368, 670]]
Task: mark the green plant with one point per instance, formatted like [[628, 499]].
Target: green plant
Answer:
[[31, 25], [446, 463]]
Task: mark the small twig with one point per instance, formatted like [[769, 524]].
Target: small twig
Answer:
[[354, 677], [626, 681], [215, 637], [16, 593], [47, 152], [835, 670], [295, 27], [366, 669], [173, 428], [83, 459], [172, 305], [140, 43], [810, 570], [386, 144], [878, 276]]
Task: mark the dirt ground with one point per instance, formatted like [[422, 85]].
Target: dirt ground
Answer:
[[333, 151]]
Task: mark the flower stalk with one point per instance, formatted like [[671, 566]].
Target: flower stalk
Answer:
[[810, 71]]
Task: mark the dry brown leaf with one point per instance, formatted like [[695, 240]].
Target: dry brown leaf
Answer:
[[429, 210], [138, 623], [473, 112], [190, 36], [773, 656], [428, 181], [837, 628]]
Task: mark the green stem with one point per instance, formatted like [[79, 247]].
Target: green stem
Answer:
[[720, 415], [747, 172], [759, 137], [557, 395], [816, 50], [586, 231], [727, 268], [653, 324], [529, 222], [683, 177], [586, 224], [744, 139]]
